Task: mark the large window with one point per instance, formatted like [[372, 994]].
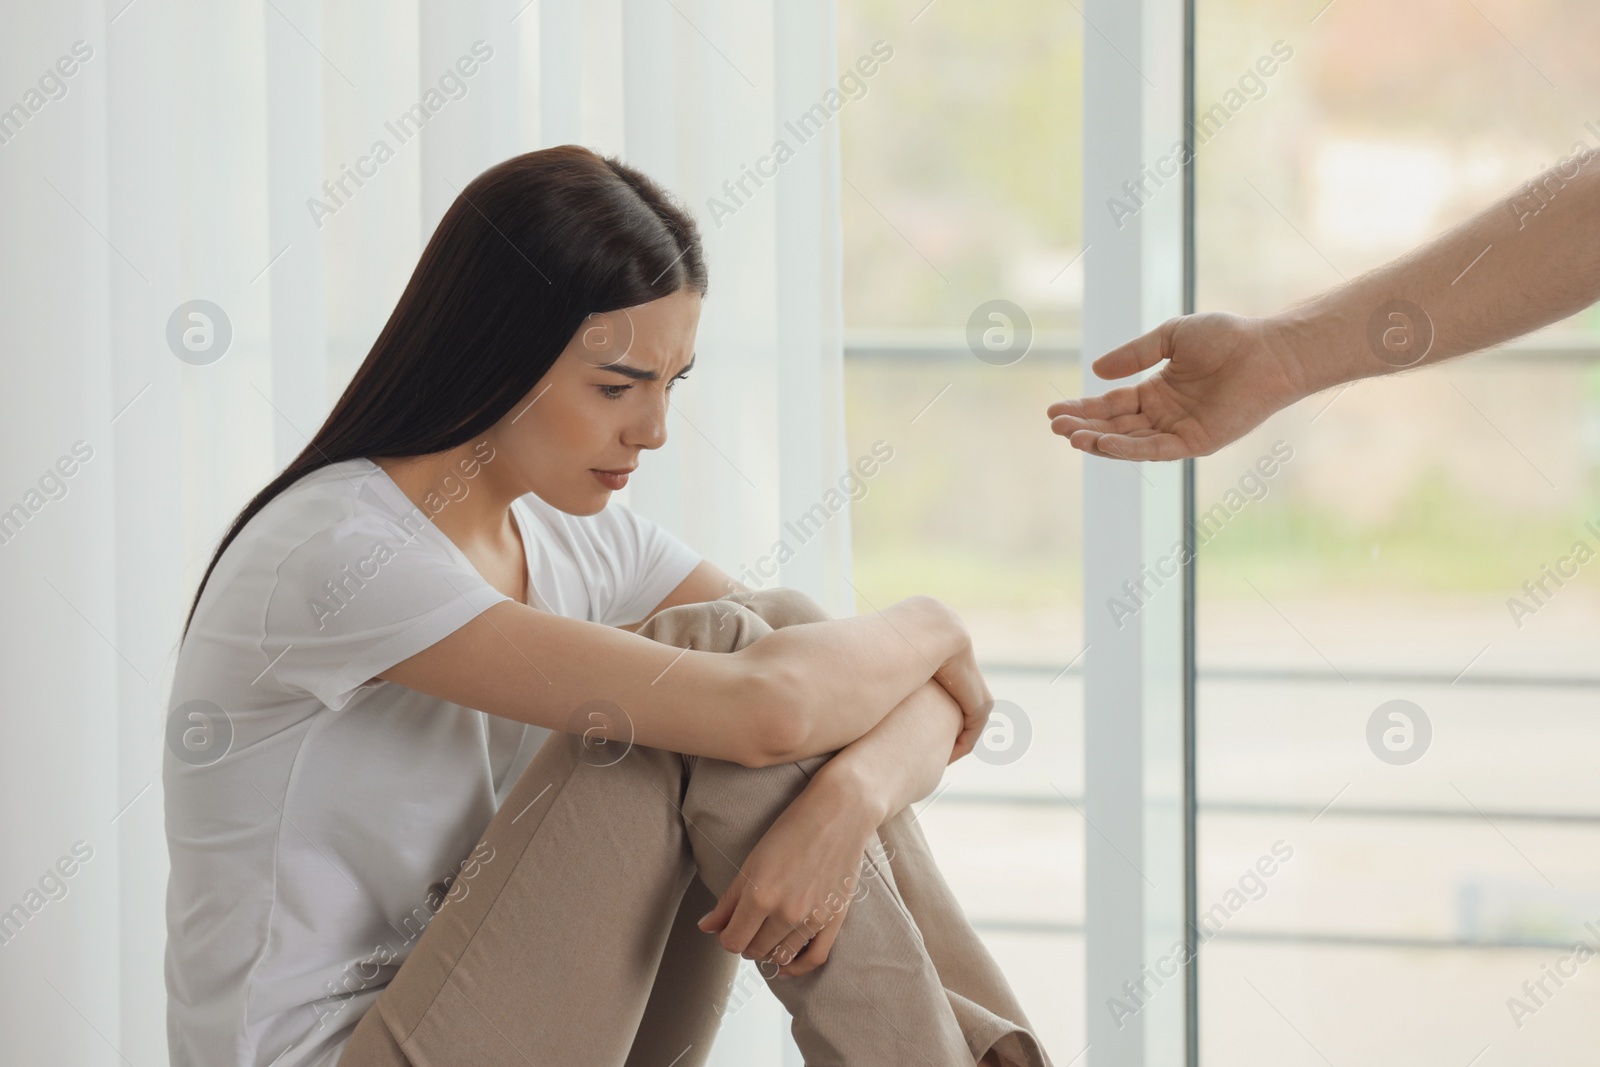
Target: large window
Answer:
[[1376, 714], [962, 236]]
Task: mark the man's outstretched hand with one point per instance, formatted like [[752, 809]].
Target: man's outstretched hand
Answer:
[[1224, 375]]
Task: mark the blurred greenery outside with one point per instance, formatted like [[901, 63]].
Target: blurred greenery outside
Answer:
[[1440, 540], [978, 506], [963, 185]]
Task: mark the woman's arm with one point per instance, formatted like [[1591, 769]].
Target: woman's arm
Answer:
[[919, 636], [800, 690], [898, 761], [814, 850], [706, 582]]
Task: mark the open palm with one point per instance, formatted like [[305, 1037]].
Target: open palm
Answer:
[[1222, 378]]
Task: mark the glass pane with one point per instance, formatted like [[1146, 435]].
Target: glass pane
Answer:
[[961, 187], [1403, 752]]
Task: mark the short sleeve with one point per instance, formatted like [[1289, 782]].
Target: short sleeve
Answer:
[[646, 561], [359, 596]]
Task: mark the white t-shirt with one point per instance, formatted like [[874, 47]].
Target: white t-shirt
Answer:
[[312, 819]]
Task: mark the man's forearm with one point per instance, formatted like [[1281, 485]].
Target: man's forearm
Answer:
[[1530, 259], [901, 759]]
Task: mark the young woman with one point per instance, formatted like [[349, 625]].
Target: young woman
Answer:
[[461, 751]]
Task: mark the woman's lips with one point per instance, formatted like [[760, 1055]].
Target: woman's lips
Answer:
[[610, 480]]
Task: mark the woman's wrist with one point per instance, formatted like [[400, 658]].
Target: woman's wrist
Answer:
[[900, 761], [849, 785], [932, 623]]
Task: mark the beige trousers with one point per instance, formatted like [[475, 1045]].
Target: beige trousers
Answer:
[[576, 943]]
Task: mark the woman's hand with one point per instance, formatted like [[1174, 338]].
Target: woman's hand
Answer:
[[797, 883], [1223, 376], [964, 682]]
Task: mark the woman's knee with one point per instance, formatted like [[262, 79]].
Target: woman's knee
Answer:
[[706, 626], [781, 606]]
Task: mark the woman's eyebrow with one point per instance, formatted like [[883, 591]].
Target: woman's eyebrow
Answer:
[[639, 374]]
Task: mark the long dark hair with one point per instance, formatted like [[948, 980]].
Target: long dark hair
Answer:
[[529, 249]]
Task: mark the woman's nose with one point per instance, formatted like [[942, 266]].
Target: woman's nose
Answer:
[[650, 429]]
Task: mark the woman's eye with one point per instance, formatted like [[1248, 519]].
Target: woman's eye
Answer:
[[614, 392]]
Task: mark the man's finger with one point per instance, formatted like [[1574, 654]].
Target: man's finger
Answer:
[[1154, 448], [1107, 406], [1067, 407], [1066, 426], [1083, 440], [1137, 354], [1133, 425]]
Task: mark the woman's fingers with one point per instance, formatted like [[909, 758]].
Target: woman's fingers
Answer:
[[736, 915], [715, 919], [755, 932], [816, 953], [782, 942], [966, 741], [973, 700], [964, 681], [807, 947], [790, 886], [770, 938]]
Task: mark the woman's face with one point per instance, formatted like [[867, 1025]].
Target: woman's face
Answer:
[[602, 403]]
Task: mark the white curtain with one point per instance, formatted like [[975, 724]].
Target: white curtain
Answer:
[[184, 158]]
